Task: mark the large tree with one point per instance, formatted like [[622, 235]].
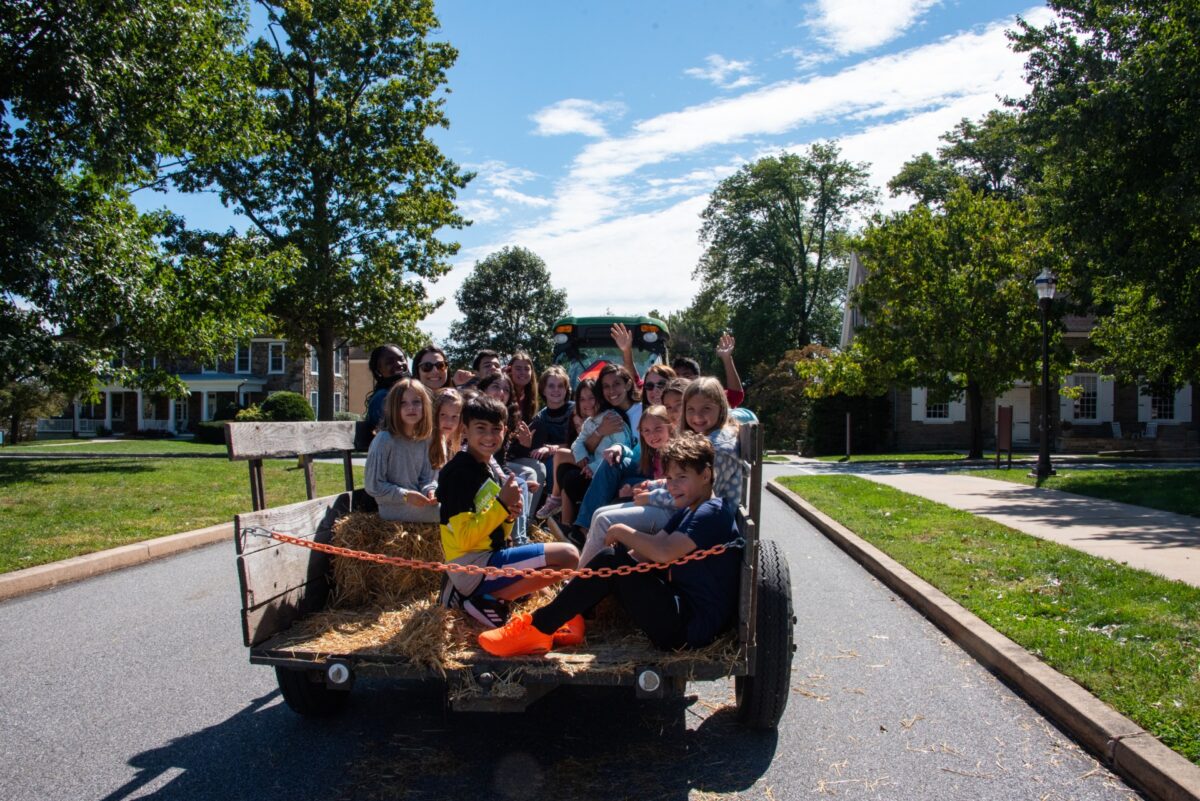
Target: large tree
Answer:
[[987, 155], [349, 177], [97, 99], [775, 236], [949, 303], [1112, 109], [507, 304]]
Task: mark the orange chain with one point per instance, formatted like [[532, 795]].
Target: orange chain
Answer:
[[493, 572]]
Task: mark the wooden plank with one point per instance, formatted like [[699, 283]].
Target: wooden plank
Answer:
[[303, 519], [258, 496], [348, 470], [264, 621], [271, 440], [281, 582], [310, 480]]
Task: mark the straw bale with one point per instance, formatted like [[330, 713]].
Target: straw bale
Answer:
[[359, 583]]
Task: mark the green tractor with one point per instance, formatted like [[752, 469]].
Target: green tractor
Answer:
[[583, 345]]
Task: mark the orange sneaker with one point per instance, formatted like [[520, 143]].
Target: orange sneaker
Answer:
[[517, 637], [570, 633]]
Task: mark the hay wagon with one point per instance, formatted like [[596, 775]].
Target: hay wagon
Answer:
[[283, 585]]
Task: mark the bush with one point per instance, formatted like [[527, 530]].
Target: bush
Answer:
[[777, 396], [251, 414], [227, 411], [103, 431], [347, 417], [211, 432], [284, 407]]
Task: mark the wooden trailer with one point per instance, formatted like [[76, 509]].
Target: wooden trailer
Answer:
[[281, 583]]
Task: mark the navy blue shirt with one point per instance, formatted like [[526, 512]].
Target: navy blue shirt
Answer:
[[708, 587]]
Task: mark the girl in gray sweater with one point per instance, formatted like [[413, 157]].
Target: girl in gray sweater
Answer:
[[399, 475]]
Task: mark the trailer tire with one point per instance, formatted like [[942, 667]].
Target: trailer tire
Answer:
[[309, 698], [762, 697]]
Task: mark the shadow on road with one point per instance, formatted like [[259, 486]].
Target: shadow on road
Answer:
[[397, 742]]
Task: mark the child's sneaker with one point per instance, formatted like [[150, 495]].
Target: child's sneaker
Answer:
[[489, 611], [550, 507], [517, 637], [570, 633]]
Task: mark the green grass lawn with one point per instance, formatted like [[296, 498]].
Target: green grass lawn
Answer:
[[138, 446], [54, 509], [1130, 637], [1168, 489], [902, 457]]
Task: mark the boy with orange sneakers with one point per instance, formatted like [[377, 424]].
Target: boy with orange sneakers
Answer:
[[685, 606], [478, 507]]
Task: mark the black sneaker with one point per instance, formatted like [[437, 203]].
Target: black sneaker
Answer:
[[451, 598], [491, 612]]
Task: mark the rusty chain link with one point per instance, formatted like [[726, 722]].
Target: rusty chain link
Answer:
[[493, 572]]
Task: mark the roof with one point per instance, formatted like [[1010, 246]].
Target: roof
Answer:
[[611, 319]]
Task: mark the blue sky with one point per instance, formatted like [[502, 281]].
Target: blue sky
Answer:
[[598, 129]]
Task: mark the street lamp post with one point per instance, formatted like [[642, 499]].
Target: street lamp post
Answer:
[[1044, 284]]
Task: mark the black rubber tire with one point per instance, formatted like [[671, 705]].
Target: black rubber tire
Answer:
[[761, 698], [309, 698]]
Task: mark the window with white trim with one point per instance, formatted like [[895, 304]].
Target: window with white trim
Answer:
[[1086, 403], [1162, 404], [275, 357], [118, 405], [242, 362], [337, 401], [339, 356], [212, 406], [937, 411], [314, 361], [312, 400]]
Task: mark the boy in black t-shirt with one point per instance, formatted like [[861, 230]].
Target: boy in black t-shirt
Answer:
[[685, 606], [478, 507]]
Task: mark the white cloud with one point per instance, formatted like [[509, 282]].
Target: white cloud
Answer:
[[608, 251], [853, 26], [723, 73], [514, 196], [500, 174], [601, 181], [575, 116]]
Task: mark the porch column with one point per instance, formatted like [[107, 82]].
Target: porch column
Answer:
[[108, 410], [171, 415], [75, 416], [204, 404], [141, 421]]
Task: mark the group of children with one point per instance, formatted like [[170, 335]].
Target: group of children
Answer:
[[633, 470]]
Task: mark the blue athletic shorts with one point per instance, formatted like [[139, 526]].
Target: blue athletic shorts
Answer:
[[520, 557]]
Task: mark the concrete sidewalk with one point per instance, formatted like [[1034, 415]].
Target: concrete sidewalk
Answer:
[[1162, 542]]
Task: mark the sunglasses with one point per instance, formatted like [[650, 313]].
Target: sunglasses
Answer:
[[654, 384], [429, 367]]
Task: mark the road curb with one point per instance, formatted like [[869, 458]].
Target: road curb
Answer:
[[43, 577], [1127, 749]]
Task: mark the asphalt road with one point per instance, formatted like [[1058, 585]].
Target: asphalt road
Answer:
[[136, 685]]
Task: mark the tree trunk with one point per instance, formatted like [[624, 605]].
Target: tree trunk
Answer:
[[325, 379], [975, 419], [14, 430]]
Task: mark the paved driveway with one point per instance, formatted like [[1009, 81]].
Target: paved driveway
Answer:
[[135, 685]]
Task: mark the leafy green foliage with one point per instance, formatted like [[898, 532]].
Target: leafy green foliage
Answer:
[[285, 407], [101, 99], [987, 155], [507, 304], [346, 174], [1112, 107], [696, 330], [775, 236], [25, 400], [949, 303]]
